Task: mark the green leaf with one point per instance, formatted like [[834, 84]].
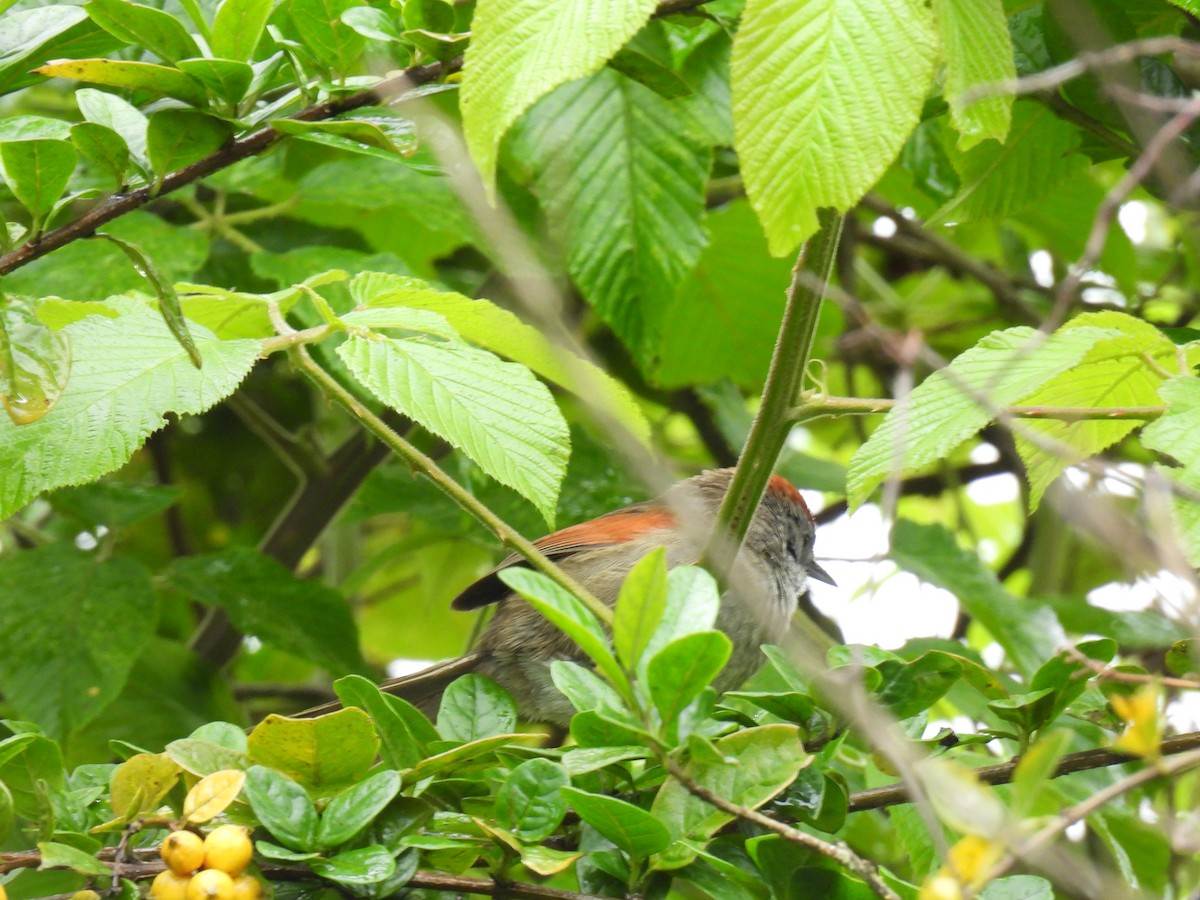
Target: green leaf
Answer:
[[365, 866], [825, 92], [103, 148], [1174, 433], [522, 49], [378, 128], [8, 815], [569, 615], [494, 328], [128, 372], [959, 400], [1018, 887], [373, 23], [355, 808], [678, 672], [640, 606], [1002, 179], [909, 688], [37, 172], [283, 854], [1183, 657], [159, 32], [111, 111], [978, 50], [203, 756], [137, 76], [326, 752], [497, 413], [623, 183], [475, 707], [29, 36], [56, 855], [693, 602], [584, 688], [637, 832], [33, 128], [759, 763], [34, 362], [456, 757], [63, 666], [226, 79], [529, 803], [1028, 634], [283, 808], [237, 27], [265, 599], [724, 318], [1115, 372], [1034, 770], [178, 137], [403, 731], [324, 35]]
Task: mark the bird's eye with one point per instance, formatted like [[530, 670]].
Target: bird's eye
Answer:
[[791, 549]]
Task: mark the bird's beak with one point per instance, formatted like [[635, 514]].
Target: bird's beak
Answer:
[[815, 571]]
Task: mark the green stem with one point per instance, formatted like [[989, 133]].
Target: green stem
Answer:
[[784, 382], [424, 465], [814, 405]]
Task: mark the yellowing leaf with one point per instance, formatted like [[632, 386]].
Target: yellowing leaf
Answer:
[[140, 783], [212, 794]]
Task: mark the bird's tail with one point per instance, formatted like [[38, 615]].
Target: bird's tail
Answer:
[[422, 689]]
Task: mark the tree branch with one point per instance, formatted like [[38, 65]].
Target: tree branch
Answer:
[[895, 794]]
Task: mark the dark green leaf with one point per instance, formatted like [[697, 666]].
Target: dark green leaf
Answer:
[[583, 687], [908, 688], [630, 827], [679, 671], [365, 866], [159, 32], [37, 172], [529, 803], [265, 599], [355, 808], [1184, 657], [404, 731], [177, 138], [283, 807], [103, 148], [320, 26], [64, 665], [227, 79], [640, 606], [475, 707], [63, 856], [237, 27]]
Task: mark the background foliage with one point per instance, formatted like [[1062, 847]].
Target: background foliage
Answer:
[[552, 248]]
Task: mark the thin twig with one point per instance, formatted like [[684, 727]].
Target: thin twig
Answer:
[[814, 404], [896, 794], [1108, 673], [839, 853]]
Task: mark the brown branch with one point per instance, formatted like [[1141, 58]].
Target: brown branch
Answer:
[[234, 151], [895, 794], [839, 853]]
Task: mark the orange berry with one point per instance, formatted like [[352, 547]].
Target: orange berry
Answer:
[[168, 885], [247, 887], [228, 848], [210, 884], [183, 851]]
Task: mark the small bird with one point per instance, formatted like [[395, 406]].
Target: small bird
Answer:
[[518, 645]]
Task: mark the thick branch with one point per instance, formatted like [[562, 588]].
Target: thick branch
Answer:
[[895, 794]]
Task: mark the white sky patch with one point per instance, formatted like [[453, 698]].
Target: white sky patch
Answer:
[[398, 667], [883, 227], [1118, 597], [873, 602], [994, 489], [1183, 713], [1105, 291], [1041, 263], [1134, 217]]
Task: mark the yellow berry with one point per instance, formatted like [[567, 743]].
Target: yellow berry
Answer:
[[247, 887], [228, 848], [3, 893], [168, 885], [183, 851], [210, 884]]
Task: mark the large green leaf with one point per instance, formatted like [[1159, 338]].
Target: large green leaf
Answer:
[[1123, 370], [954, 403], [497, 413], [1002, 179], [978, 51], [237, 27], [825, 92], [1029, 635], [127, 374], [266, 600], [159, 32], [178, 137], [325, 36], [34, 362], [623, 183], [483, 323], [724, 318], [630, 827], [1175, 433], [37, 172], [113, 112], [523, 49], [325, 753], [74, 625]]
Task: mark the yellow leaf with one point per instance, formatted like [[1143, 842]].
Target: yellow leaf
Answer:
[[972, 860], [140, 783], [212, 794]]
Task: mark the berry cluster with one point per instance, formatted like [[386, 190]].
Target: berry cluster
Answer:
[[210, 868]]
